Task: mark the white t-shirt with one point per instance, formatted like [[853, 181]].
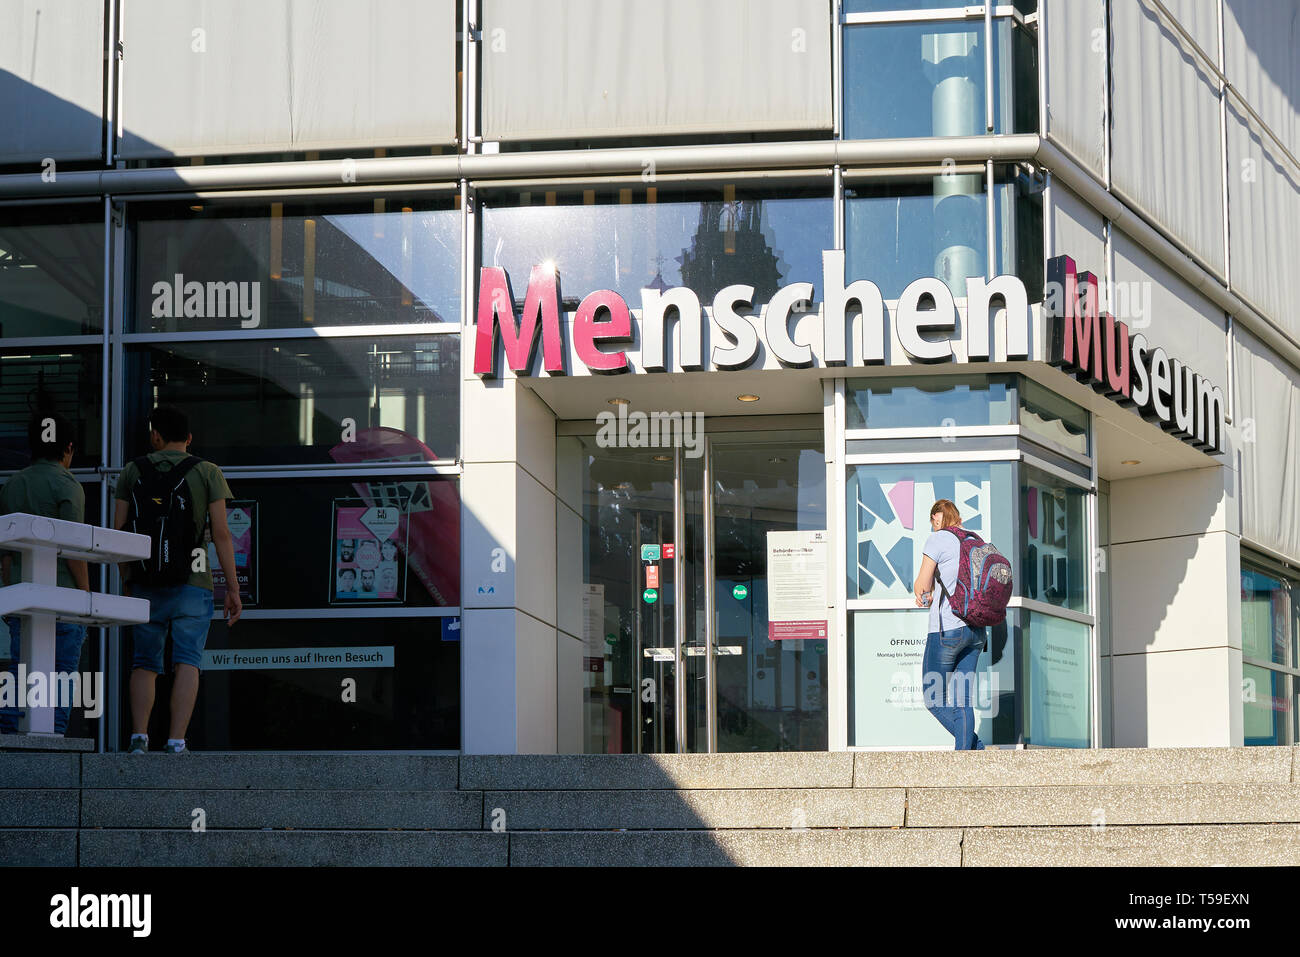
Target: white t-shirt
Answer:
[[944, 548]]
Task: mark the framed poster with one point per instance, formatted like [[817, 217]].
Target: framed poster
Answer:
[[796, 584], [368, 564], [241, 517]]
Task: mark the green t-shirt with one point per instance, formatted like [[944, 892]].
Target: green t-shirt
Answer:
[[44, 488], [206, 483]]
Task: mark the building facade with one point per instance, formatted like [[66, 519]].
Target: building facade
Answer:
[[585, 370]]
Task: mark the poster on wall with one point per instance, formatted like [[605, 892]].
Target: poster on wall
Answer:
[[593, 627], [369, 554], [893, 521], [888, 697], [241, 517], [796, 584], [1058, 666], [429, 510]]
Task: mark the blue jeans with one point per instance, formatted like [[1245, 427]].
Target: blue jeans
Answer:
[[187, 610], [948, 682], [68, 639]]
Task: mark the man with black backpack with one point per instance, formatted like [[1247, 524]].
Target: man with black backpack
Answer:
[[174, 498]]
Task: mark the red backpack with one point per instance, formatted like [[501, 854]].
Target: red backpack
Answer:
[[983, 585]]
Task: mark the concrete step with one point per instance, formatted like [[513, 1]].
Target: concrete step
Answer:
[[45, 742], [695, 809], [763, 848], [52, 847], [1103, 805], [1191, 845], [259, 848], [28, 770], [38, 807], [271, 771], [317, 809], [1065, 766], [602, 772]]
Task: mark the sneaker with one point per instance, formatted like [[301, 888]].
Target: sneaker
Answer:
[[175, 748], [139, 744]]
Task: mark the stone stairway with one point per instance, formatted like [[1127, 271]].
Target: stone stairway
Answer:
[[1185, 806]]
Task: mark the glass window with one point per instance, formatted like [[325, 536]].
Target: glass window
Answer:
[[914, 79], [273, 685], [899, 232], [51, 271], [1015, 78], [889, 518], [1018, 227], [1053, 541], [280, 266], [346, 542], [629, 239], [1056, 685], [1265, 625], [67, 380], [291, 401], [1264, 706], [1045, 414], [886, 680], [935, 402], [926, 78]]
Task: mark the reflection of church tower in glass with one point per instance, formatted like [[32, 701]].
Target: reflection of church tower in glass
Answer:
[[730, 247]]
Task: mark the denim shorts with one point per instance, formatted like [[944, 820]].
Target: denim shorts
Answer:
[[187, 609]]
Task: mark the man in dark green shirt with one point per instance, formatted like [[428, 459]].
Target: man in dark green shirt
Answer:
[[47, 488], [185, 609]]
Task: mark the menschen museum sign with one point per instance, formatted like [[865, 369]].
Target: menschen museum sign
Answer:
[[1100, 350]]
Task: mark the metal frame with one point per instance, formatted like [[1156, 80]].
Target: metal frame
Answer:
[[710, 602], [952, 14]]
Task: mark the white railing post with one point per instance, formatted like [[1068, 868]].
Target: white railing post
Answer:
[[41, 604]]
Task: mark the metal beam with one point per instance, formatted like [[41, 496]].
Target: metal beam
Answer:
[[368, 171]]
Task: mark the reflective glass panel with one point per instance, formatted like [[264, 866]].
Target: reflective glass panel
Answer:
[[64, 379], [51, 271], [1045, 414], [390, 541], [937, 402], [281, 266], [1055, 557], [629, 239], [899, 232], [273, 685], [1265, 624], [291, 401], [1057, 671]]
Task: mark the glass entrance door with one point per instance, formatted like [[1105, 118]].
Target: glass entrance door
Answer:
[[679, 653], [769, 689]]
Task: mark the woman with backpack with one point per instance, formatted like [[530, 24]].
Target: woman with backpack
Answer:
[[952, 648]]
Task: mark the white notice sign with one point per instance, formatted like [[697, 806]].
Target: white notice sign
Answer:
[[796, 584], [593, 620]]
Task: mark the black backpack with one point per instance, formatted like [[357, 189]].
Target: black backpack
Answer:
[[162, 507]]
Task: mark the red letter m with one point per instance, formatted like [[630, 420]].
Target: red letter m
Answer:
[[1074, 321], [496, 306]]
